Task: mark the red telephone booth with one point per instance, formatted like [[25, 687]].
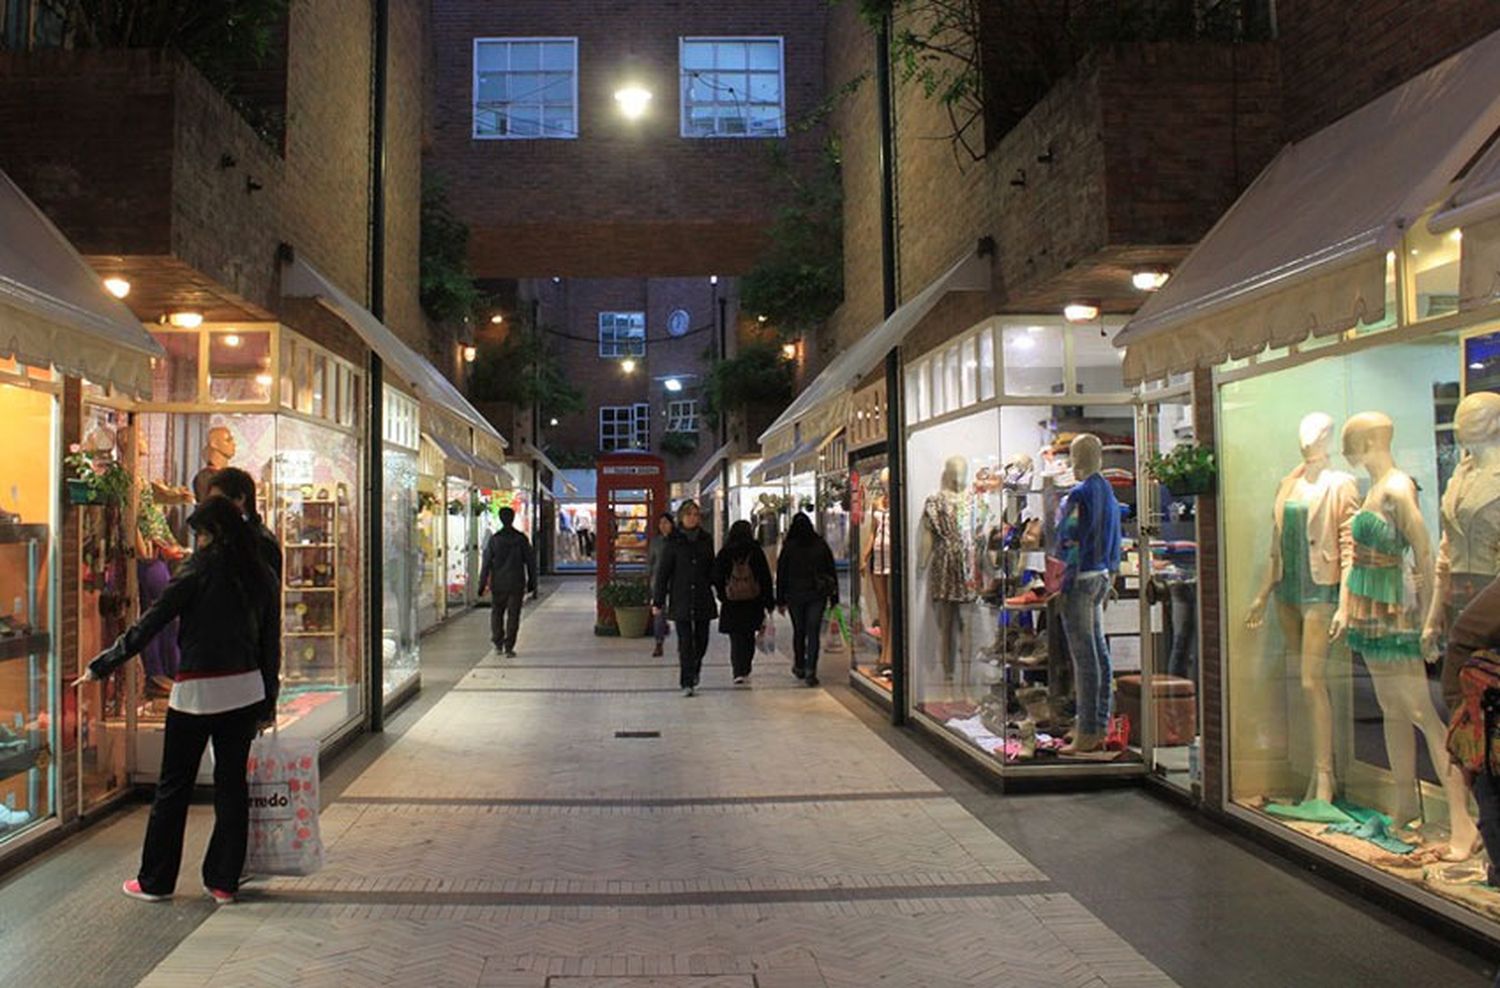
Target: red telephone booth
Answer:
[[632, 491]]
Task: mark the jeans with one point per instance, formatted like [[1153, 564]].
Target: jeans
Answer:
[[1183, 661], [692, 642], [186, 736], [807, 623], [505, 619], [1487, 795], [741, 651], [1083, 624]]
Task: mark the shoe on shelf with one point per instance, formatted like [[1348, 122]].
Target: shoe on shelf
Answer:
[[1027, 735], [133, 889], [220, 897], [1031, 598]]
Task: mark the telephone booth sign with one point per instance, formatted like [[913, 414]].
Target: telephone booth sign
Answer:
[[632, 491]]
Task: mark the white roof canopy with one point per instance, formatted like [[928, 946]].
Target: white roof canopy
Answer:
[[54, 310], [301, 280], [528, 449], [711, 464], [1475, 205], [1303, 249], [970, 274]]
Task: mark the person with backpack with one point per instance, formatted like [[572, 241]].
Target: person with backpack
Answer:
[[509, 569], [227, 603], [683, 591], [742, 578], [806, 584]]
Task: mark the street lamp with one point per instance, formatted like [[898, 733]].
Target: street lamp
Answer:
[[628, 365], [470, 352], [633, 100]]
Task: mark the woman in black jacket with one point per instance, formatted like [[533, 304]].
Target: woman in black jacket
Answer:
[[684, 590], [806, 583], [742, 579], [228, 607]]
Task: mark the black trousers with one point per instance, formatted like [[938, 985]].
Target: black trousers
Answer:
[[741, 651], [186, 736], [807, 630], [505, 618], [692, 643]]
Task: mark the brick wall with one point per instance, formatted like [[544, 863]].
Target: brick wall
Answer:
[[405, 107], [1336, 56], [624, 198]]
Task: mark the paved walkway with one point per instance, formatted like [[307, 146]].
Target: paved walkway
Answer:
[[504, 835]]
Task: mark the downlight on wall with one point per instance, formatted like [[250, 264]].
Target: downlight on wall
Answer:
[[634, 100], [185, 319], [470, 352], [1149, 279], [1081, 311], [118, 287], [672, 384]]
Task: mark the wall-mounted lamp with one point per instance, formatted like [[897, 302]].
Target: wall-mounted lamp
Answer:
[[1149, 279], [470, 352], [1081, 311], [634, 100], [713, 279], [118, 287], [789, 351], [552, 422], [185, 319], [496, 319], [672, 384], [628, 365]]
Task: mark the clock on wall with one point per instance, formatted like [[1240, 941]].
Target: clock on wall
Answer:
[[679, 322]]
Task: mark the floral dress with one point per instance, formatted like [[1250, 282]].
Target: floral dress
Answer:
[[948, 569]]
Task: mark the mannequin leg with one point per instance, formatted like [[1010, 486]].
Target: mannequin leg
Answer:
[[1400, 743], [882, 587], [947, 616], [1306, 628]]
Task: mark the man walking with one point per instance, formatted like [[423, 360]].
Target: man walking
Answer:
[[509, 570]]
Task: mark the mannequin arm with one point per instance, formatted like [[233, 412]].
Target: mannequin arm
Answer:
[[1408, 514], [1348, 507], [1433, 627], [924, 545]]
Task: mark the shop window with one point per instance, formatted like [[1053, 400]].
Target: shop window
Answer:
[[175, 376], [239, 366], [622, 334], [1334, 724], [732, 87], [525, 88], [970, 370], [1097, 363], [1432, 261], [400, 647], [1033, 359], [986, 364]]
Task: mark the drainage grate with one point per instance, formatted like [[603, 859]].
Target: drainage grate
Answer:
[[637, 734]]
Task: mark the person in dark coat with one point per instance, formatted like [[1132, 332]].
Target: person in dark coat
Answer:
[[742, 579], [239, 487], [658, 548], [509, 569], [806, 584], [228, 607], [684, 592]]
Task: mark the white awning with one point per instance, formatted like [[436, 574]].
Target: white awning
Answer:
[[1303, 249], [54, 310], [301, 280], [458, 462], [838, 379], [528, 449], [1475, 206], [710, 465], [790, 461]]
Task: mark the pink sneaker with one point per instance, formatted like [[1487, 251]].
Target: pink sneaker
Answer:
[[220, 897], [133, 889]]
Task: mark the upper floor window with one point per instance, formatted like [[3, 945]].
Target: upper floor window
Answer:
[[622, 334], [682, 415], [732, 87], [525, 87], [624, 427]]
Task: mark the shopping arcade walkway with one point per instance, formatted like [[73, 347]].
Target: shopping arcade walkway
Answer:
[[769, 837]]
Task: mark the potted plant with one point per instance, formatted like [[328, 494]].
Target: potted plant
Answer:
[[98, 478], [1188, 470], [630, 599]]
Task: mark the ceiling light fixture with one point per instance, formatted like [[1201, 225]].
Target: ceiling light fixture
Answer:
[[496, 319], [1456, 236], [470, 352], [232, 339], [633, 100], [552, 422], [672, 384], [118, 287], [1149, 279], [789, 351], [761, 318], [1081, 311], [264, 380], [185, 320]]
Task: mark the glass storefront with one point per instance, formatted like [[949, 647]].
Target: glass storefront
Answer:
[[1000, 662], [1359, 493], [28, 647], [459, 526], [869, 612], [400, 648], [432, 529]]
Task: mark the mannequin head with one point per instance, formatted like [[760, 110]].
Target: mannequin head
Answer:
[[882, 495], [220, 448], [1313, 435], [1087, 454], [1477, 421], [955, 473], [1368, 436]]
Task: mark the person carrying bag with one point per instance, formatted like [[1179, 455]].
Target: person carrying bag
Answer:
[[807, 582], [742, 578]]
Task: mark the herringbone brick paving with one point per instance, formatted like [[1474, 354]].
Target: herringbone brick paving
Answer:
[[766, 839]]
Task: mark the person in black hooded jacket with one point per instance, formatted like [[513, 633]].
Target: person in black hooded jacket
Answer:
[[684, 592], [742, 579], [806, 583], [228, 607]]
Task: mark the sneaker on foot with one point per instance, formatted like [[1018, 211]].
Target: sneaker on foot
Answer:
[[220, 897], [510, 653], [133, 889], [689, 691], [799, 672], [739, 680], [812, 681]]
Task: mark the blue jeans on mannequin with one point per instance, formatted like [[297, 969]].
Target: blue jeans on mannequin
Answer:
[[1083, 625]]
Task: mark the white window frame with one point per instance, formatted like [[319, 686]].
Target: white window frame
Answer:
[[474, 90], [641, 425], [682, 415], [618, 426], [683, 83], [617, 347]]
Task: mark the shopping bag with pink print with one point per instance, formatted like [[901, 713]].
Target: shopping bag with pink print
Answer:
[[284, 838]]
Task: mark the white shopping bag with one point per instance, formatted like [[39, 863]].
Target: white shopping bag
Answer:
[[283, 774], [765, 639]]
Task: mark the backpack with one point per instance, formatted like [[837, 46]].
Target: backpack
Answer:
[[1474, 731], [742, 584]]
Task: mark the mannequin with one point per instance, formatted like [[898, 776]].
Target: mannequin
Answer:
[[1469, 553], [1089, 536], [217, 454], [942, 554], [1380, 621], [875, 563], [1311, 549], [155, 547]]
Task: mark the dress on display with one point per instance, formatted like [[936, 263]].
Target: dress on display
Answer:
[[948, 568], [880, 542], [1382, 625], [1297, 586]]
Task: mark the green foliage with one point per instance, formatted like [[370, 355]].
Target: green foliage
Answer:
[[448, 292], [105, 477], [1187, 469], [625, 592], [758, 374], [523, 371], [678, 444], [798, 281]]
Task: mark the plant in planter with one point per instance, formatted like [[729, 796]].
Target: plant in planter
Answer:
[[97, 478], [1187, 470], [679, 443], [630, 599]]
